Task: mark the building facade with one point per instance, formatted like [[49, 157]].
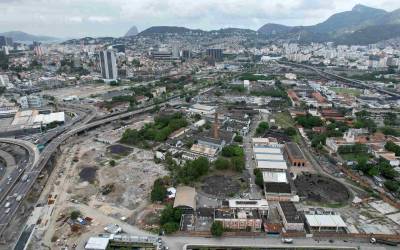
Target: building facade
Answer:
[[108, 64]]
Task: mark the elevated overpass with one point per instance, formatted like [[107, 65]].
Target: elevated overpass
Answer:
[[345, 80]]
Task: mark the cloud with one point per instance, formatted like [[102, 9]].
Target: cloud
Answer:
[[75, 19], [115, 17], [100, 19]]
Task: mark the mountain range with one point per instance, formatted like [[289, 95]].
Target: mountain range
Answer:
[[361, 25], [20, 36]]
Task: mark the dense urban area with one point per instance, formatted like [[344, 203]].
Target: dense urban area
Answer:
[[184, 139]]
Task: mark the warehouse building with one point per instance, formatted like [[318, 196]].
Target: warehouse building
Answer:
[[328, 222], [294, 155], [185, 199]]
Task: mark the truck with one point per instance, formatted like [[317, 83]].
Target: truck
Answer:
[[385, 242]]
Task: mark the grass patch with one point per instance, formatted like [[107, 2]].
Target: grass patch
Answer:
[[354, 156], [348, 91], [283, 119]]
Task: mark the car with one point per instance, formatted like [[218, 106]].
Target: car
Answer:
[[19, 198], [287, 240], [8, 204], [7, 211]]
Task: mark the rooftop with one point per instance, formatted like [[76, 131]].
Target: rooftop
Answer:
[[325, 220], [290, 212], [248, 203], [185, 197], [275, 177], [294, 150]]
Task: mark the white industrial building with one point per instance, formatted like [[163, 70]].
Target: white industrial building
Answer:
[[326, 222], [201, 109]]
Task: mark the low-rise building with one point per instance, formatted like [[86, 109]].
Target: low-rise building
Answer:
[[327, 222], [185, 199], [294, 155], [201, 109], [239, 219], [292, 219]]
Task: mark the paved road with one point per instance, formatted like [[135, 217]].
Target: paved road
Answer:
[[331, 76], [15, 186], [306, 243]]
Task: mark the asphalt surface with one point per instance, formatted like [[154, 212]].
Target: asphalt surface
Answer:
[[16, 186]]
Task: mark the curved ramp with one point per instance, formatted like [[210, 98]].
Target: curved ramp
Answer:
[[8, 159]]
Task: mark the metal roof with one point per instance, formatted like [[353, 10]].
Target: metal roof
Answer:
[[185, 197], [325, 220]]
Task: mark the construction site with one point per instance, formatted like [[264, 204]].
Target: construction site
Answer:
[[96, 182]]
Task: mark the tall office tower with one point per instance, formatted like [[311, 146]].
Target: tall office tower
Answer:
[[108, 64], [3, 41], [215, 54], [186, 54]]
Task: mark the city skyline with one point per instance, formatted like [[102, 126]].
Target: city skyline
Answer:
[[73, 18]]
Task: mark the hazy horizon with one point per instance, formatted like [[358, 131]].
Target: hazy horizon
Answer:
[[77, 18]]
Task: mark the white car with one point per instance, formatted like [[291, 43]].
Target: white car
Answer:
[[287, 240]]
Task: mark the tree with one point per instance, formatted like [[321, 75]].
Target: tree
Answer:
[[393, 147], [309, 121], [170, 227], [262, 128], [221, 163], [238, 163], [75, 214], [392, 186], [112, 163], [290, 131], [158, 192], [259, 178], [238, 138], [217, 229], [232, 150], [170, 219]]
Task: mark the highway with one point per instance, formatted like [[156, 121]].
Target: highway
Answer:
[[345, 80], [13, 186]]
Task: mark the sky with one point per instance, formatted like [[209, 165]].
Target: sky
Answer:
[[80, 18]]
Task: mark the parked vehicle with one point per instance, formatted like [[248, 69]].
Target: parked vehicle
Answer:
[[7, 205], [287, 241], [382, 241]]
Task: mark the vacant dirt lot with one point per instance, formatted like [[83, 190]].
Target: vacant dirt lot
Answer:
[[223, 185], [317, 188]]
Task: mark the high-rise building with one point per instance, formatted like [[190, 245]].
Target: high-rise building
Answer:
[[215, 54], [108, 64], [186, 54], [3, 41]]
